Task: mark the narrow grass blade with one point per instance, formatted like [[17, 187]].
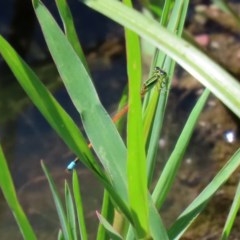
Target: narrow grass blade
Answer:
[[169, 172], [155, 131], [79, 206], [150, 112], [49, 107], [106, 141], [9, 192], [158, 230], [70, 30], [199, 203], [210, 74], [232, 214], [61, 214], [60, 235], [136, 163], [107, 212], [71, 218], [165, 12], [176, 15], [110, 230]]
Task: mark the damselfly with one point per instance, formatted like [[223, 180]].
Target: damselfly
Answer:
[[159, 76]]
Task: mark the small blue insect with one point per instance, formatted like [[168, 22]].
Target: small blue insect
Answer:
[[72, 165]]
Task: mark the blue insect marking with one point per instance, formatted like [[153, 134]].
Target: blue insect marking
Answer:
[[72, 165]]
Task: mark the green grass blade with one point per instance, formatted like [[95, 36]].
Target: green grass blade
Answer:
[[173, 16], [48, 106], [158, 230], [120, 124], [79, 206], [169, 172], [155, 131], [166, 11], [175, 25], [112, 154], [178, 17], [60, 235], [232, 214], [107, 212], [210, 74], [150, 111], [57, 201], [71, 218], [70, 30], [136, 163], [9, 192], [110, 230], [199, 203]]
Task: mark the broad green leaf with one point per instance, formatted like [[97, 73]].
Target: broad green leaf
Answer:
[[49, 107], [99, 127], [70, 30]]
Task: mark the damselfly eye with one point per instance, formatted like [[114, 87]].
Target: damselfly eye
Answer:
[[159, 71]]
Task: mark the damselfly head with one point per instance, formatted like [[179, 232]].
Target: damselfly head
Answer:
[[159, 71]]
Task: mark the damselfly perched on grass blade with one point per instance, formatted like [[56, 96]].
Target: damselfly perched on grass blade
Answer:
[[158, 79]]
